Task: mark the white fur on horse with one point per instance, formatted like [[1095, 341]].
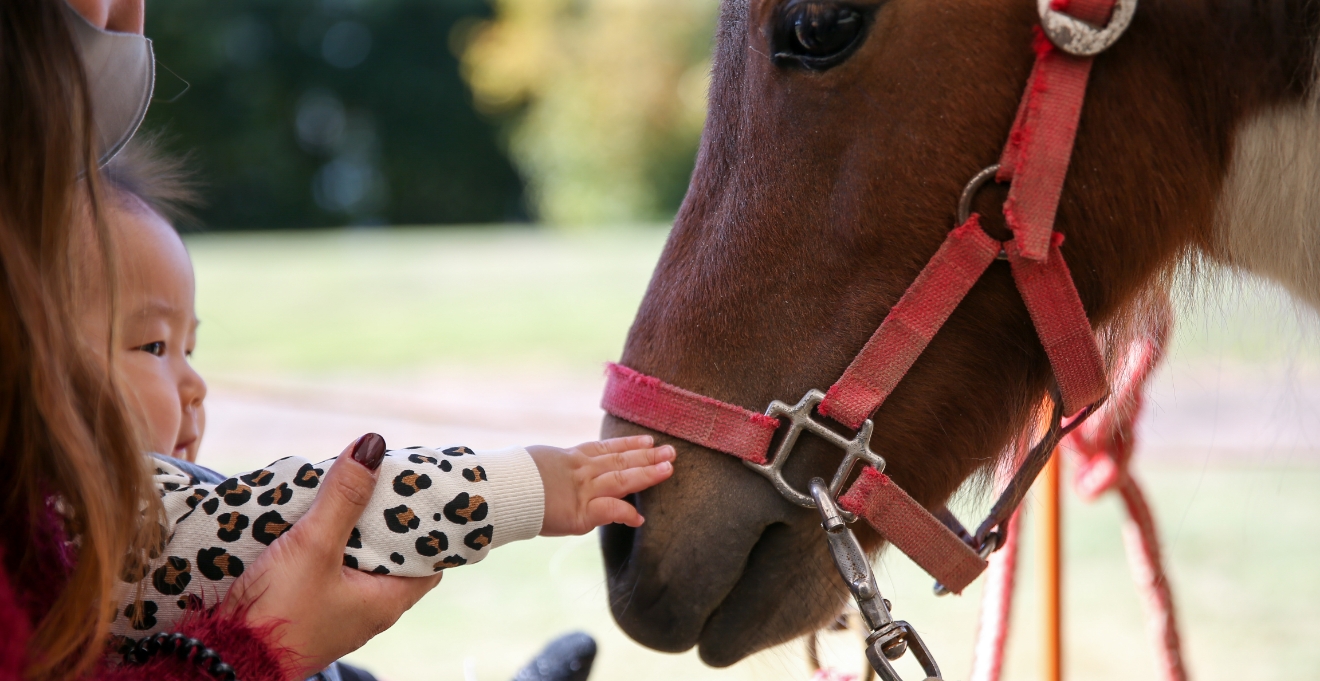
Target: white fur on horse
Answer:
[[432, 509], [1269, 207]]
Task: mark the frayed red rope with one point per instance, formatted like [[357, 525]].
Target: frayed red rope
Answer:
[[723, 427], [1041, 45]]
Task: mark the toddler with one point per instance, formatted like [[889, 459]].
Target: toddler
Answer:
[[433, 508]]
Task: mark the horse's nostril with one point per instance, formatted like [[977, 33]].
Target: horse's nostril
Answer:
[[616, 541]]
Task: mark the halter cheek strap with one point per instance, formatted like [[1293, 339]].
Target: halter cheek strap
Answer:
[[1035, 161]]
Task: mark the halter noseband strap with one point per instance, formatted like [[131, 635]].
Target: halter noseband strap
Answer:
[[1034, 161]]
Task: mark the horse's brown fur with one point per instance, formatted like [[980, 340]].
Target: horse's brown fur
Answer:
[[817, 198]]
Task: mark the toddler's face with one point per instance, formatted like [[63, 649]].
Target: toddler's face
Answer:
[[157, 329]]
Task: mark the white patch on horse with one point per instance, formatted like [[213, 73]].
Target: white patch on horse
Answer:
[[1268, 215]]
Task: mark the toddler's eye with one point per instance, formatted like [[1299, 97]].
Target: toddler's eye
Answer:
[[157, 348]]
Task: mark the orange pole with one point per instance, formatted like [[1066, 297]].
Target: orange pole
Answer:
[[1051, 569]]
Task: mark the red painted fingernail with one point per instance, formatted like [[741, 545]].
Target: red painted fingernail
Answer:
[[369, 451]]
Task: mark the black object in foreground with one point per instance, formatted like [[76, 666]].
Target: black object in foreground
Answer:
[[183, 647], [567, 658]]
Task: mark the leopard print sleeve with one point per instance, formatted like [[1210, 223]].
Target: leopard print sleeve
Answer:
[[432, 509]]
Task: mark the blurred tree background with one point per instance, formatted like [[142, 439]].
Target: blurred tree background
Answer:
[[309, 113], [605, 100], [306, 113]]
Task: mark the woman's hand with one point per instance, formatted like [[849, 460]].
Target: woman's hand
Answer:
[[321, 610], [583, 485]]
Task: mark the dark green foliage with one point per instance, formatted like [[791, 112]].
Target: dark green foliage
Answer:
[[305, 113]]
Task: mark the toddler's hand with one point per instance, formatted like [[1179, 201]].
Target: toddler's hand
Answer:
[[583, 484]]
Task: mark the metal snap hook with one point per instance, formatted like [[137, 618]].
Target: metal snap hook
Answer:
[[888, 639]]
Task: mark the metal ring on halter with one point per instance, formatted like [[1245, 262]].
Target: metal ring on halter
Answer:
[[1080, 38], [992, 543], [969, 192]]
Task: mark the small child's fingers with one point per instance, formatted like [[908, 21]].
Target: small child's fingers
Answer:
[[616, 444], [622, 461], [606, 510], [624, 482]]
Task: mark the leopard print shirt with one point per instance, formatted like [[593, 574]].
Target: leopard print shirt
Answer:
[[432, 509]]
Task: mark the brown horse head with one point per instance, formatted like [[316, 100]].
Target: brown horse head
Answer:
[[839, 137]]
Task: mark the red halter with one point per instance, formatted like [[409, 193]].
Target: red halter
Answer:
[[1035, 161]]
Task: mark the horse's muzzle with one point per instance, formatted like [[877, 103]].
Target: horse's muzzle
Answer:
[[723, 562]]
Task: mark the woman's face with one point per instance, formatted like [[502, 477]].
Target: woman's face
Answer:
[[124, 16]]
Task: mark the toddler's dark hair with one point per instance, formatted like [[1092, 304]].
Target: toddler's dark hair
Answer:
[[160, 181]]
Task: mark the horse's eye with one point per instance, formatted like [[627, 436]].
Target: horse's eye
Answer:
[[818, 35], [824, 30]]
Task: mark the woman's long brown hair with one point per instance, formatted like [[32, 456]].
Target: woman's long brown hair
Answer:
[[68, 451]]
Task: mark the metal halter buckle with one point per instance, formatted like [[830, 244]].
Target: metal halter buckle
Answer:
[[888, 640], [799, 418], [1079, 38]]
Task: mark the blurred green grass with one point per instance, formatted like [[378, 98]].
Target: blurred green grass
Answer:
[[393, 302], [406, 298], [1239, 544], [401, 299]]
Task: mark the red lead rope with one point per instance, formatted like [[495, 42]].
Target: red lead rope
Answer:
[[1103, 449], [1035, 161]]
